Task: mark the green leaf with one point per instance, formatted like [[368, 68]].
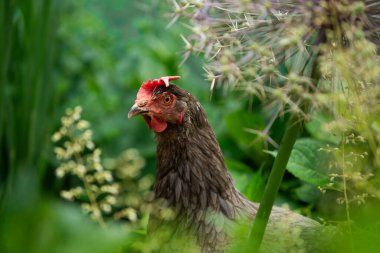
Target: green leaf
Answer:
[[308, 193], [255, 188], [237, 123], [240, 173], [307, 163], [250, 183], [316, 129]]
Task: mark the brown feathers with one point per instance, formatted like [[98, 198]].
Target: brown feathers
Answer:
[[193, 179]]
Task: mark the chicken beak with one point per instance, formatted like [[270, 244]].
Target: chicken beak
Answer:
[[135, 110]]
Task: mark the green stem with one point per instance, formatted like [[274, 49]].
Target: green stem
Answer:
[[294, 126], [346, 200]]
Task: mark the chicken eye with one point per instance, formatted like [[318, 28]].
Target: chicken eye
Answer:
[[167, 100]]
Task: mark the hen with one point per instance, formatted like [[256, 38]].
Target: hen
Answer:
[[193, 179]]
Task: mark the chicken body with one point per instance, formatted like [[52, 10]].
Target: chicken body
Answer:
[[193, 179]]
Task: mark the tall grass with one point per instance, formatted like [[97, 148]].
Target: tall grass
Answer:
[[27, 90]]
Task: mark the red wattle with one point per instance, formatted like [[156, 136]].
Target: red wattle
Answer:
[[157, 125]]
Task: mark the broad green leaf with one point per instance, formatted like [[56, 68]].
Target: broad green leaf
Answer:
[[255, 189], [237, 123], [308, 163], [308, 193], [250, 183], [237, 166], [240, 173]]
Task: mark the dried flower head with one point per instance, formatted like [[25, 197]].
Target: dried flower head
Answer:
[[280, 51]]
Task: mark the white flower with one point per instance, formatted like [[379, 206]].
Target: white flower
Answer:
[[60, 172], [67, 195], [56, 137], [83, 124], [106, 207]]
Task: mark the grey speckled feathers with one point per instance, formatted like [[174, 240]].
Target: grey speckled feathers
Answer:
[[193, 180]]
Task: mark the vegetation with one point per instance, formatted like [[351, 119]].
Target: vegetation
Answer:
[[70, 71]]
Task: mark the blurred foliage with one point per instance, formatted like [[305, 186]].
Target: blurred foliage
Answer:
[[111, 69], [93, 53], [114, 190], [28, 43], [60, 54]]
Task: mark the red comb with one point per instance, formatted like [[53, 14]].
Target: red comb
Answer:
[[160, 81]]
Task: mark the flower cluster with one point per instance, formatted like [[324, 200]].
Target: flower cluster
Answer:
[[297, 56], [351, 177], [102, 192], [135, 188], [349, 174]]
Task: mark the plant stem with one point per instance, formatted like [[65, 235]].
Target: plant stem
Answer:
[[94, 203], [346, 200], [90, 194], [294, 126]]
